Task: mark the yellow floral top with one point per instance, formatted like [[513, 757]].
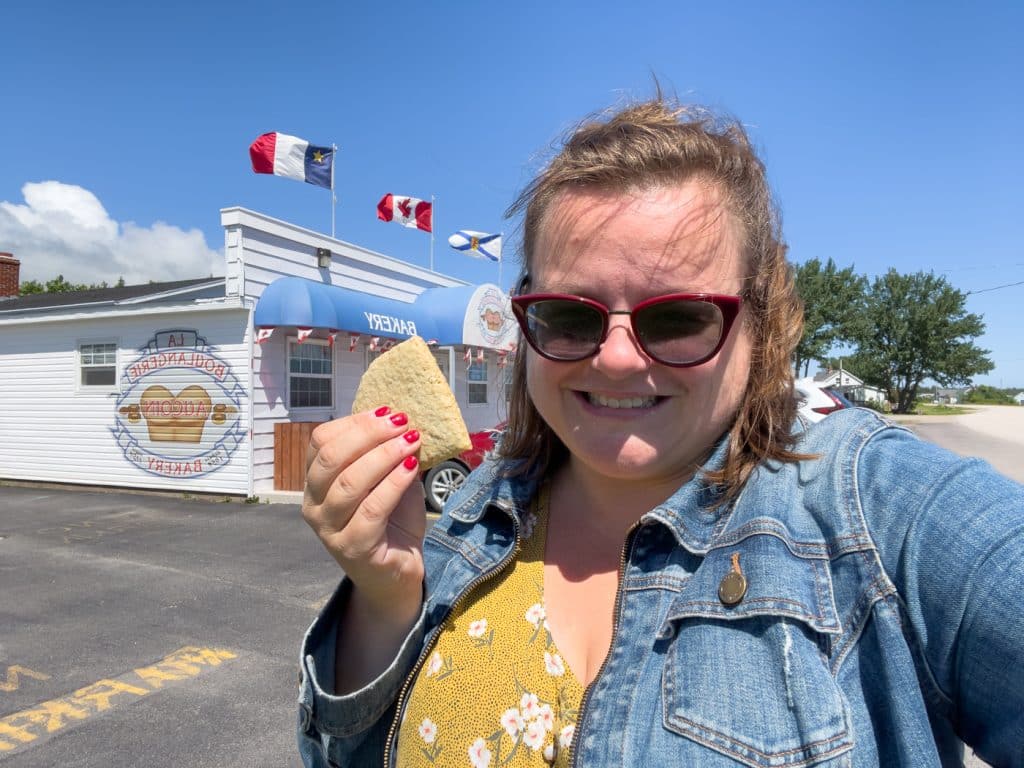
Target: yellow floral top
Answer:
[[495, 691]]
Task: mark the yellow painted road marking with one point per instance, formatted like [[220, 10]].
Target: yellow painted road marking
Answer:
[[23, 729], [14, 674]]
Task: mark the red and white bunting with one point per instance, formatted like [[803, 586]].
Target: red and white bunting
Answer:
[[502, 358], [262, 334], [302, 334], [374, 343], [431, 342], [388, 344], [469, 355], [479, 355], [330, 338], [353, 339]]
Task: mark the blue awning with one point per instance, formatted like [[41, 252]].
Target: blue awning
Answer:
[[473, 315]]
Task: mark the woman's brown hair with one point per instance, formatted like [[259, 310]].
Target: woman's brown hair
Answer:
[[660, 142]]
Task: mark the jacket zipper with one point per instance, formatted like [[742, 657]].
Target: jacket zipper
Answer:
[[581, 717], [498, 568]]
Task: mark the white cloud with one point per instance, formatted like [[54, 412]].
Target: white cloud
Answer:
[[63, 229]]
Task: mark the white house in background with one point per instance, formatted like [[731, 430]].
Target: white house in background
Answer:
[[849, 385], [213, 384], [1019, 398]]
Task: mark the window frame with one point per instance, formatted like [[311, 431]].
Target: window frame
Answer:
[[292, 342], [81, 366], [472, 383]]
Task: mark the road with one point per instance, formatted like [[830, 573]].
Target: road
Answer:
[[993, 432], [138, 629]]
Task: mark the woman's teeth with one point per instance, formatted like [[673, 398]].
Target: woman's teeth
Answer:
[[624, 402]]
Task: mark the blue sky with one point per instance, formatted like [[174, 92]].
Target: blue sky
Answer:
[[892, 132]]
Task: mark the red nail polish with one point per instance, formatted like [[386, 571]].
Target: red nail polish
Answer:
[[399, 419], [410, 462], [411, 436], [382, 411]]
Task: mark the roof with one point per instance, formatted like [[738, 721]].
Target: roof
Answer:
[[101, 295]]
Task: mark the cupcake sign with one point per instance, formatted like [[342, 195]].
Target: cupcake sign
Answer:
[[179, 411]]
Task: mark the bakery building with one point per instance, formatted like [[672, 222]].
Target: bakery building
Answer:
[[212, 385]]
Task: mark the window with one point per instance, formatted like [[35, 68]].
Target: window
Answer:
[[476, 383], [98, 363], [310, 374]]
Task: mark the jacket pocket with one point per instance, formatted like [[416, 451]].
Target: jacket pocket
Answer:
[[751, 680]]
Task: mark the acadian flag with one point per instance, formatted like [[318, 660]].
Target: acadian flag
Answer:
[[407, 211], [479, 245], [284, 155]]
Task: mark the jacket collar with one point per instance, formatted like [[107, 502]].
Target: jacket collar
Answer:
[[690, 513]]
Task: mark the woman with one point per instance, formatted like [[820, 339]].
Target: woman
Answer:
[[663, 566]]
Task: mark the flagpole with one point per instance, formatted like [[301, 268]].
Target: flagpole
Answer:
[[334, 199], [432, 233], [502, 236]]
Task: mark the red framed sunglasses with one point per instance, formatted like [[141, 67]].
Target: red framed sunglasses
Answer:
[[677, 329]]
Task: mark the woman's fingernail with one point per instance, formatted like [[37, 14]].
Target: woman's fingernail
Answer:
[[411, 436], [410, 462], [382, 411], [399, 419]]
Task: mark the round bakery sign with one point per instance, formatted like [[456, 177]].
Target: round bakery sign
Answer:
[[180, 407]]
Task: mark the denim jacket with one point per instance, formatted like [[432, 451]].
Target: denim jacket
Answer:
[[882, 621]]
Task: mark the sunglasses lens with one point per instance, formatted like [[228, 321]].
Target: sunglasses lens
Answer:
[[679, 331], [564, 330]]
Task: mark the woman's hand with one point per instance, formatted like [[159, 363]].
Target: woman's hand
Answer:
[[364, 499]]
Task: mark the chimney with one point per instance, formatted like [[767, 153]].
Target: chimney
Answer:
[[10, 269]]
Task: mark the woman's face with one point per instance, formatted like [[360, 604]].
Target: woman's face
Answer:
[[621, 414]]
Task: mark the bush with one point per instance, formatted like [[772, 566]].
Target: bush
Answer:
[[878, 406]]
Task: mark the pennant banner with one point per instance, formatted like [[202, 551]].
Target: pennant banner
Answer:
[[262, 334], [407, 211], [303, 333], [479, 245], [293, 158]]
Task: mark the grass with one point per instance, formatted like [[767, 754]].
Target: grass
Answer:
[[928, 409]]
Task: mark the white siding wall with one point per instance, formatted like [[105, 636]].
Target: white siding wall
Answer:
[[53, 429]]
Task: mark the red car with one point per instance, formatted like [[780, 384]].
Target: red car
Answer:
[[443, 480]]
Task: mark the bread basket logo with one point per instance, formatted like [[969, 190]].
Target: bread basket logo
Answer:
[[180, 407], [494, 321]]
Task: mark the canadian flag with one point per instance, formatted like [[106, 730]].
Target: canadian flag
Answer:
[[302, 334], [374, 343], [353, 339], [407, 211], [262, 334], [330, 338]]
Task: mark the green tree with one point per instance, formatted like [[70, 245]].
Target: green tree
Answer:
[[833, 307], [917, 328], [985, 394], [60, 285]]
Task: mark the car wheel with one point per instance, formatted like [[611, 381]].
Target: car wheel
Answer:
[[442, 481]]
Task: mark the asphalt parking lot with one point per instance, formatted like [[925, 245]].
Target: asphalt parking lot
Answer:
[[159, 631], [147, 630]]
